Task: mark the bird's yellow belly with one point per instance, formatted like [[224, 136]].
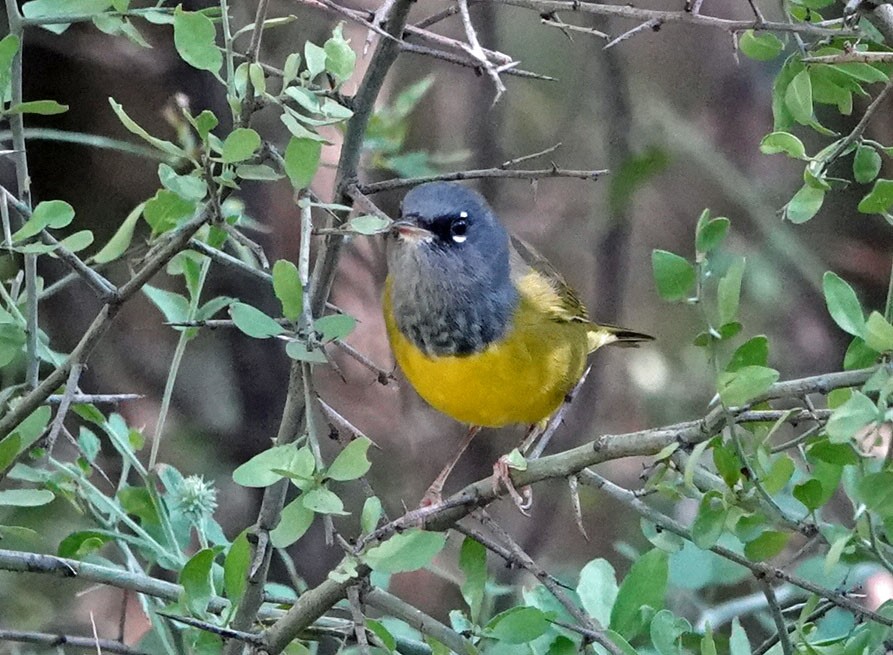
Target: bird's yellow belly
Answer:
[[521, 379]]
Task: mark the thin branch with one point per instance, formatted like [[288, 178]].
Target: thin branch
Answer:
[[851, 58], [651, 24], [476, 51], [69, 641], [594, 630], [226, 633], [861, 126], [548, 7], [229, 261], [758, 568], [777, 617], [553, 21], [534, 155], [71, 386], [359, 621], [385, 602], [95, 398], [390, 185]]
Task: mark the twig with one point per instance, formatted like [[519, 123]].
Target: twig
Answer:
[[382, 376], [71, 386], [227, 633], [95, 398], [775, 611], [385, 602], [595, 631], [553, 21], [683, 17], [390, 185], [252, 245], [857, 132], [229, 261], [359, 621], [535, 155], [758, 568], [651, 24], [475, 50], [851, 58], [59, 641]]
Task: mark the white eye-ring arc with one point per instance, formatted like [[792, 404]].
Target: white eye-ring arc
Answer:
[[460, 238]]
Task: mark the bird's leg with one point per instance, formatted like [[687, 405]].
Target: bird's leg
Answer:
[[501, 472], [433, 495]]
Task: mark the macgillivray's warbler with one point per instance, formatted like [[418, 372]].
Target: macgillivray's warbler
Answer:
[[484, 328]]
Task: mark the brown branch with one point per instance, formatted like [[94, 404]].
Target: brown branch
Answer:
[[60, 641], [390, 185]]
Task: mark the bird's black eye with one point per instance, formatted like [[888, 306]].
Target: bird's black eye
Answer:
[[459, 228]]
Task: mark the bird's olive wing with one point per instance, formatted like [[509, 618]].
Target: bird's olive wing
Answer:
[[566, 305]]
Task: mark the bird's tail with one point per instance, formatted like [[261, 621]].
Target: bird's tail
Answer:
[[602, 335]]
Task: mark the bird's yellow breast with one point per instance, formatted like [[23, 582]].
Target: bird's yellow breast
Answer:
[[523, 378]]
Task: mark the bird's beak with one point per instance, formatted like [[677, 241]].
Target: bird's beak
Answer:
[[410, 230]]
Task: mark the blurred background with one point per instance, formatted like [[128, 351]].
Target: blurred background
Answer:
[[674, 115]]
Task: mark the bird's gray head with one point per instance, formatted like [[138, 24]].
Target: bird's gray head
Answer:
[[448, 259]]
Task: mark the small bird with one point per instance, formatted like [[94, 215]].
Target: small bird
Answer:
[[484, 328]]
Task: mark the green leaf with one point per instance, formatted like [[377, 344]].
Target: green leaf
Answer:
[[879, 199], [726, 462], [876, 491], [805, 204], [188, 187], [597, 589], [257, 172], [44, 107], [843, 304], [644, 587], [407, 551], [9, 46], [81, 544], [240, 144], [120, 241], [858, 355], [856, 413], [322, 501], [77, 241], [352, 462], [195, 39], [738, 642], [518, 625], [753, 352], [315, 58], [235, 567], [204, 123], [785, 142], [762, 47], [298, 350], [287, 287], [737, 388], [368, 224], [166, 210], [729, 291], [334, 326], [782, 118], [302, 161], [810, 493], [866, 164], [798, 98], [254, 322], [258, 471], [878, 333], [710, 520], [296, 519], [174, 306], [710, 233], [673, 275], [134, 128], [340, 58], [473, 563], [371, 514], [50, 214], [25, 497], [778, 475], [196, 580], [767, 545], [666, 632]]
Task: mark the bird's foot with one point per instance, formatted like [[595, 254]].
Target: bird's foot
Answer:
[[502, 476]]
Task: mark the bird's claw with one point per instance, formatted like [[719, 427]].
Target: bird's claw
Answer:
[[523, 499]]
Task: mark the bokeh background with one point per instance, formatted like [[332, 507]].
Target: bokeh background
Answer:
[[674, 114]]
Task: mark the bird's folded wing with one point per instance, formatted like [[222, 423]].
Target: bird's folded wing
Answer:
[[536, 278]]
